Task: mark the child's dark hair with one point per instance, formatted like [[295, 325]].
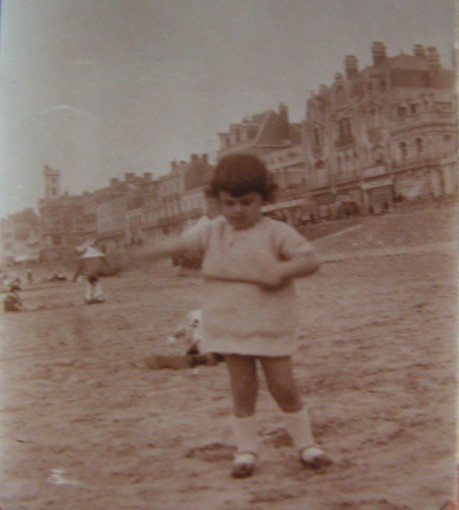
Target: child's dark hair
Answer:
[[239, 174], [92, 278]]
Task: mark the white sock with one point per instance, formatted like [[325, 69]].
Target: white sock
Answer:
[[298, 425], [245, 434]]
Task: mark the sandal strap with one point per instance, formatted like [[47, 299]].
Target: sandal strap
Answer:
[[308, 447]]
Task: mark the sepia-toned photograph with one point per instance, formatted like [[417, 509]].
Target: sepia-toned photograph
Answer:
[[228, 255]]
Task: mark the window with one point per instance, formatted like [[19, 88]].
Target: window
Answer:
[[316, 137], [414, 108], [444, 106], [378, 155], [344, 131], [419, 146], [56, 240], [403, 150], [320, 164], [401, 112], [372, 117]]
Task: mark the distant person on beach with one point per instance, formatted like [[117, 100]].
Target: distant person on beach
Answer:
[[249, 264], [12, 301], [93, 292]]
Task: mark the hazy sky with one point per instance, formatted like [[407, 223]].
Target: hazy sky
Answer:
[[97, 88]]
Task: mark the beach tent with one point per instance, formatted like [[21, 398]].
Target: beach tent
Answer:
[[93, 261]]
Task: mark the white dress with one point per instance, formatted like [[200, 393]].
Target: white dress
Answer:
[[244, 318]]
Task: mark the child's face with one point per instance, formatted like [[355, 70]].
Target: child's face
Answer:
[[241, 212]]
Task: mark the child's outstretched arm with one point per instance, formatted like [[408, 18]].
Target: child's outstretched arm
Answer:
[[160, 249]]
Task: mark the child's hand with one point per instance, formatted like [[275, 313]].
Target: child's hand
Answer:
[[273, 280], [280, 274]]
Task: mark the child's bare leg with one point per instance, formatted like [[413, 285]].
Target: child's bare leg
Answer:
[[281, 384], [244, 388], [244, 384]]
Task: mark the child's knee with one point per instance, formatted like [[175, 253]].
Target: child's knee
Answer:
[[287, 397]]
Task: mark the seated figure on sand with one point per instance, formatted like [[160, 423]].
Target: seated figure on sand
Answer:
[[189, 329]]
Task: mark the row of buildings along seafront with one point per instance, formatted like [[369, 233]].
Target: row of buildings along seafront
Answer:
[[374, 136]]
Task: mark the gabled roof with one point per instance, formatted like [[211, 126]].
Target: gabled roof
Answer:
[[272, 132]]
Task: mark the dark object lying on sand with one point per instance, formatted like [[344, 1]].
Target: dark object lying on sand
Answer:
[[158, 361]]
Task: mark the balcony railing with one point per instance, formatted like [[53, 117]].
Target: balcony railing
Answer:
[[416, 161]]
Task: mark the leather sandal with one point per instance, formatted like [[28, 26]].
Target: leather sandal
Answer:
[[243, 465]]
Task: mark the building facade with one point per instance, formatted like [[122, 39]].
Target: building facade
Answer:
[[384, 133], [20, 237], [65, 220]]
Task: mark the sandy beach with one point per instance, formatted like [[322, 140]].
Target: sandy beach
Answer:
[[86, 425]]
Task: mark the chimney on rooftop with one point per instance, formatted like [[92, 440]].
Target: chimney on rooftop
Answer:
[[351, 66], [419, 51], [379, 53], [283, 111], [129, 176], [284, 125], [433, 60]]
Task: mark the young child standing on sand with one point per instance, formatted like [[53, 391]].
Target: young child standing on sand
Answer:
[[249, 264]]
